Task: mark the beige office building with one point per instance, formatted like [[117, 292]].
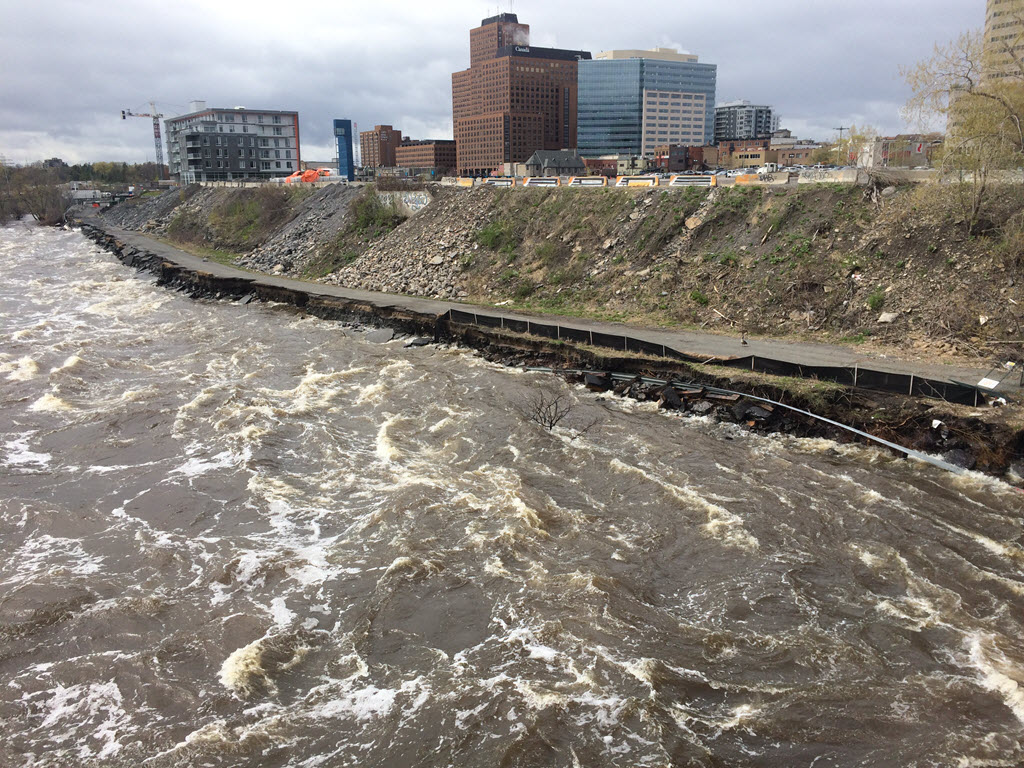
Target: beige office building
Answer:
[[670, 114], [1004, 38]]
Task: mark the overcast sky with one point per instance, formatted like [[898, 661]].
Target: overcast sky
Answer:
[[69, 67]]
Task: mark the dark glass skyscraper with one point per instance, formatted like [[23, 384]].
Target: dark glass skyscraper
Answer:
[[610, 107], [633, 101], [346, 160]]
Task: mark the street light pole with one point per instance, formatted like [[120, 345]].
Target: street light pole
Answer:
[[841, 129]]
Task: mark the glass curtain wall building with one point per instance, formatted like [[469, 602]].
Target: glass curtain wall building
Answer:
[[633, 101], [610, 107]]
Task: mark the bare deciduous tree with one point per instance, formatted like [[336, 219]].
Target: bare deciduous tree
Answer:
[[979, 90], [549, 409]]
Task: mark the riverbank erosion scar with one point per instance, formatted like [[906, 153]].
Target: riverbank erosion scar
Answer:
[[199, 283], [989, 440]]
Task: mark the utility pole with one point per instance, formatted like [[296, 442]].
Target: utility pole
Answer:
[[841, 129], [126, 113]]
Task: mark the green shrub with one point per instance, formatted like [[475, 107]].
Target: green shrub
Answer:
[[549, 253], [497, 236], [524, 290], [372, 216], [699, 298], [876, 299], [508, 275]]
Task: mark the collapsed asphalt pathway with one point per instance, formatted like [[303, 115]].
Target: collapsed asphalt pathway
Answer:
[[698, 344]]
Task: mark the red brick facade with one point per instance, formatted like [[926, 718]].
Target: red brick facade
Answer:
[[513, 100], [378, 146], [433, 154]]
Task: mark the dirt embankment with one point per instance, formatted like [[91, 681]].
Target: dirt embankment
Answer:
[[819, 262], [987, 439]]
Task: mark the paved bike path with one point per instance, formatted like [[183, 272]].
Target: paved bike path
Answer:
[[699, 344]]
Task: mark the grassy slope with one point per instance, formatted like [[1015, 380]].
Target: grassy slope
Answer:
[[820, 261]]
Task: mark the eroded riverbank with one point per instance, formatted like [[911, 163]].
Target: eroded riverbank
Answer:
[[988, 439]]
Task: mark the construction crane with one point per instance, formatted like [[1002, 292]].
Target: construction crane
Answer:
[[126, 113]]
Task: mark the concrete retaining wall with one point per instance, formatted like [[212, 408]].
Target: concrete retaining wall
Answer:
[[763, 179], [408, 203], [844, 176]]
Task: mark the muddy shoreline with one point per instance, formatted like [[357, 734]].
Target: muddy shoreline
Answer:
[[984, 439]]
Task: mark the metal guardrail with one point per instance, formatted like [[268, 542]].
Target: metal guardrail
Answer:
[[692, 386], [862, 378]]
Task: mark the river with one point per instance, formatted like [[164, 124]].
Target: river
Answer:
[[236, 536]]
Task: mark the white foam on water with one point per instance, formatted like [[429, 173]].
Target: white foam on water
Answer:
[[973, 480], [386, 450], [42, 555], [315, 390], [242, 672], [869, 559], [88, 716], [280, 612], [19, 455], [413, 565], [1009, 551], [997, 673], [374, 393], [250, 568], [50, 404], [195, 467], [362, 704], [451, 417], [22, 369], [917, 611], [722, 525], [68, 364], [203, 398], [525, 638]]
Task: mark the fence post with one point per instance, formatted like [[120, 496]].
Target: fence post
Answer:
[[911, 392], [855, 374]]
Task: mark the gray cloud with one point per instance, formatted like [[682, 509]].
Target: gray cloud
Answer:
[[70, 67]]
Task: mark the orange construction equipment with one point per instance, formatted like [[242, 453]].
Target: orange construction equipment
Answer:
[[294, 177]]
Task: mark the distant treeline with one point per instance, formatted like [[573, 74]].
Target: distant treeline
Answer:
[[102, 173], [39, 190]]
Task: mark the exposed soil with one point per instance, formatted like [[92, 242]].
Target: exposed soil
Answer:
[[892, 267]]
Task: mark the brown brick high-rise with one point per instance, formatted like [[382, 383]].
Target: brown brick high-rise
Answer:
[[514, 99], [378, 146]]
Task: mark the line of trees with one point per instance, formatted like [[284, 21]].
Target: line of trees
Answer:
[[40, 189], [102, 172]]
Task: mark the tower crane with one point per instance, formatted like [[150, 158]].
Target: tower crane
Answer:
[[126, 113]]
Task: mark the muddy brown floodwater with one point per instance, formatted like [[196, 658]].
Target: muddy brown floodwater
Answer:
[[233, 536]]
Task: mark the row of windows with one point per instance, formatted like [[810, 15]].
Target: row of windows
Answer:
[[264, 165], [217, 141], [229, 117], [252, 153]]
